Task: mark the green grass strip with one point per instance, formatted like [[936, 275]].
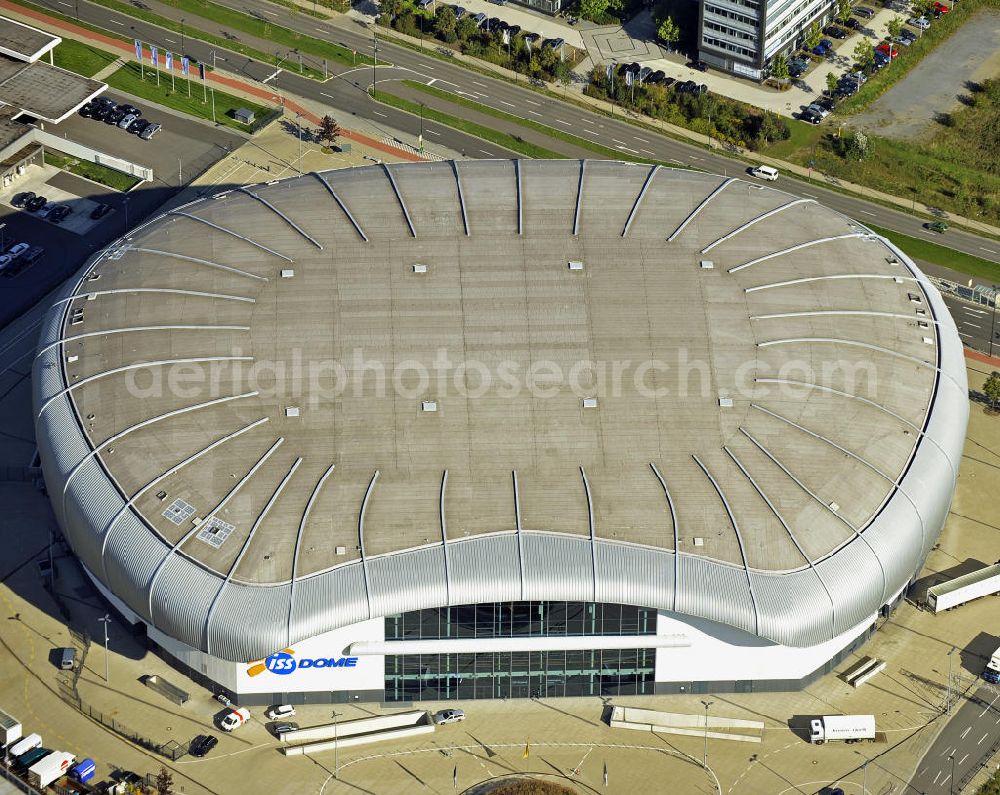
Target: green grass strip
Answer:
[[75, 56], [614, 154], [127, 79], [512, 142], [117, 180], [918, 248]]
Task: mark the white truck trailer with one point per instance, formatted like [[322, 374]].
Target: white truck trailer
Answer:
[[44, 772], [844, 728], [953, 593], [10, 729], [992, 672]]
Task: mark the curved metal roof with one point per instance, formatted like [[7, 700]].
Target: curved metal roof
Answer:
[[231, 403]]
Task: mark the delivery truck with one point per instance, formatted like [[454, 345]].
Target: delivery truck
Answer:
[[953, 593], [845, 729], [24, 745], [52, 767], [10, 729], [992, 672]]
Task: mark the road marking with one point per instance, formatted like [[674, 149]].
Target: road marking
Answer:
[[269, 13], [380, 114], [973, 311], [973, 325], [648, 152], [432, 81], [640, 139], [327, 95], [508, 104], [969, 728], [948, 751], [488, 154], [945, 779], [321, 30], [434, 132], [868, 213], [983, 738], [936, 777], [616, 141], [962, 334], [534, 112], [532, 102], [810, 195], [983, 248], [694, 158], [68, 5], [962, 760], [678, 162], [481, 85], [998, 721], [560, 121], [172, 41], [116, 22], [626, 149]]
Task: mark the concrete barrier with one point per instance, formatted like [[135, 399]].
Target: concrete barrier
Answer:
[[352, 728], [92, 155], [364, 739]]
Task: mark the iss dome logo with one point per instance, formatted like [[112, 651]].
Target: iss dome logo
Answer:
[[284, 662]]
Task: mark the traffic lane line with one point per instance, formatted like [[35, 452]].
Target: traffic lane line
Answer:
[[994, 701]]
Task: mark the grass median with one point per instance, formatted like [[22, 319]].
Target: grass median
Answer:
[[926, 250], [559, 135], [128, 79], [75, 56], [116, 180]]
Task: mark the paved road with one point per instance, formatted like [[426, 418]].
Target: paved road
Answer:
[[975, 324], [971, 736], [346, 93]]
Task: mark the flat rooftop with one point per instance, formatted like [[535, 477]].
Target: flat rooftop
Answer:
[[46, 92], [24, 42], [297, 350]]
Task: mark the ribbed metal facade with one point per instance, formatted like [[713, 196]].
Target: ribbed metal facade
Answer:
[[251, 622]]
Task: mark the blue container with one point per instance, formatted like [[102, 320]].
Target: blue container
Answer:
[[83, 770]]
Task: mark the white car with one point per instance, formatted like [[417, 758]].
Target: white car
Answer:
[[449, 716], [280, 711], [234, 718], [765, 172], [920, 22]]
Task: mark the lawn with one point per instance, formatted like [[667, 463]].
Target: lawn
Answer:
[[918, 248], [127, 79], [117, 180], [75, 56]]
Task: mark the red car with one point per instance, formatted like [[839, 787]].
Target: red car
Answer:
[[941, 8], [887, 50]]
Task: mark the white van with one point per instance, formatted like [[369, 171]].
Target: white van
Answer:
[[25, 745], [765, 172], [234, 718]]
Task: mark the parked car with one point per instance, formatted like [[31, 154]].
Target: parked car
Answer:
[[284, 728], [150, 131], [137, 126], [686, 87], [919, 22], [809, 117], [35, 204], [129, 109], [234, 718], [644, 73], [555, 44], [59, 213], [202, 744], [836, 31], [32, 255], [656, 77], [936, 226], [701, 66], [449, 716], [22, 198], [903, 41], [459, 11], [857, 77], [17, 250], [864, 12], [822, 50], [853, 24], [797, 66], [280, 711], [887, 49], [5, 261], [86, 109], [126, 120], [480, 19], [818, 109], [940, 8], [908, 34]]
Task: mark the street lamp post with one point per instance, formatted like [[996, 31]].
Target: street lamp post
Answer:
[[952, 783], [374, 58], [106, 620], [298, 130], [125, 206], [182, 35], [420, 140], [993, 321], [707, 704]]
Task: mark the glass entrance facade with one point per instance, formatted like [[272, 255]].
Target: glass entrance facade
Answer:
[[540, 674]]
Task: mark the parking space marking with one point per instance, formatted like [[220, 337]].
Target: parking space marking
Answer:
[[983, 738], [269, 13]]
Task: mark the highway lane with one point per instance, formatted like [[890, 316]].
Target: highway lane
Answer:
[[346, 92], [975, 324], [970, 738]]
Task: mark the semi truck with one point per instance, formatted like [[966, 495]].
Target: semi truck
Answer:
[[953, 593], [52, 767], [992, 672], [845, 729], [10, 729]]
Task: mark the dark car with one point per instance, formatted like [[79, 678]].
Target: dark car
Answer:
[[514, 30], [809, 117], [555, 44], [657, 76], [686, 87], [59, 213], [826, 103], [21, 199], [668, 81], [701, 66], [138, 126], [127, 109], [936, 226], [100, 211], [86, 109], [702, 89], [284, 728], [35, 204], [853, 24], [114, 117], [835, 31], [202, 744]]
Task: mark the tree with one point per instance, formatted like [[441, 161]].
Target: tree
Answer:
[[858, 146], [466, 29], [445, 22], [864, 52], [391, 9], [832, 81], [593, 9], [328, 131], [813, 35], [844, 10], [164, 782], [779, 67], [669, 33], [992, 389], [894, 26]]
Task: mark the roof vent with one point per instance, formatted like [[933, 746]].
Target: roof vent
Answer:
[[419, 267], [341, 550], [698, 541], [834, 507], [291, 411], [914, 298], [429, 405], [575, 265], [71, 359], [287, 273], [897, 279], [921, 311], [590, 403], [707, 264], [928, 341], [91, 296], [725, 403], [923, 324]]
